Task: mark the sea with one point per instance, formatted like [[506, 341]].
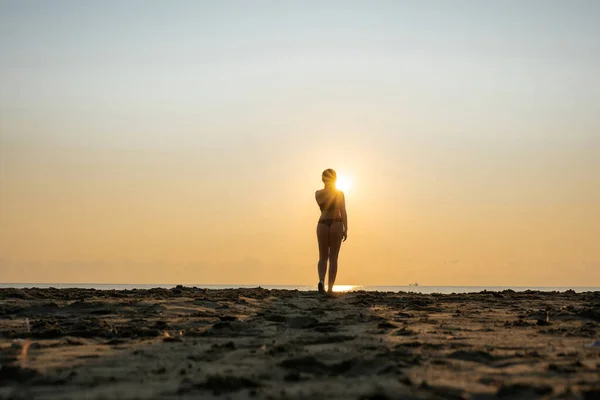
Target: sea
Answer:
[[337, 288]]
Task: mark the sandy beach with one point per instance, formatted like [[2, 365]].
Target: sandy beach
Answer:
[[269, 344]]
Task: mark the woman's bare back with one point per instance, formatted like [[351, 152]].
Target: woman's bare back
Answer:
[[329, 202]]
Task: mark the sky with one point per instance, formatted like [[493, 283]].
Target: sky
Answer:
[[183, 141]]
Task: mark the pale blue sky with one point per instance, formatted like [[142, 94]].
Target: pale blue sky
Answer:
[[206, 60], [440, 106]]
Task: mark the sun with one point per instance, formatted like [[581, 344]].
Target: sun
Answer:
[[344, 183]]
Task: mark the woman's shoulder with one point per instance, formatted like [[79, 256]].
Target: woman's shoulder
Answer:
[[328, 192]]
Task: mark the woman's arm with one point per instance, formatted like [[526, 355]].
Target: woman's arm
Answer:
[[344, 215]]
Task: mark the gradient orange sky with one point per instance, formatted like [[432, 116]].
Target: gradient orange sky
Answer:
[[182, 142]]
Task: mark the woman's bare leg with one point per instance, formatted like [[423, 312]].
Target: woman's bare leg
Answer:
[[323, 238], [336, 232]]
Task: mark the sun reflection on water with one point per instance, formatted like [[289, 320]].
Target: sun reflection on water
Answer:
[[345, 288]]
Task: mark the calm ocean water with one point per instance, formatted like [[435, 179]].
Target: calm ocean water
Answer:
[[340, 288]]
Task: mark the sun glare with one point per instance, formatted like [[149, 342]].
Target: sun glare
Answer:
[[344, 288], [344, 183]]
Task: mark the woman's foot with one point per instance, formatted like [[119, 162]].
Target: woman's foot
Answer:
[[321, 287]]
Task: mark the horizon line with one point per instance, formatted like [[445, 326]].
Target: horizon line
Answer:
[[283, 285]]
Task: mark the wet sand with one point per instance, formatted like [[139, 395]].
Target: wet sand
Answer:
[[270, 344]]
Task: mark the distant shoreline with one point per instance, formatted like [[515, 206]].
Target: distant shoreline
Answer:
[[307, 288]]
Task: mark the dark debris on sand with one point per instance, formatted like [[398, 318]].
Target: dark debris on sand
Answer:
[[191, 342]]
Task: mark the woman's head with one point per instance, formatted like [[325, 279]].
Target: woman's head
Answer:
[[329, 176]]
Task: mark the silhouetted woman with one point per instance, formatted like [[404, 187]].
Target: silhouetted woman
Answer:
[[331, 228]]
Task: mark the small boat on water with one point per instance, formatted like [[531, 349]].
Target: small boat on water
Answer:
[[413, 284]]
